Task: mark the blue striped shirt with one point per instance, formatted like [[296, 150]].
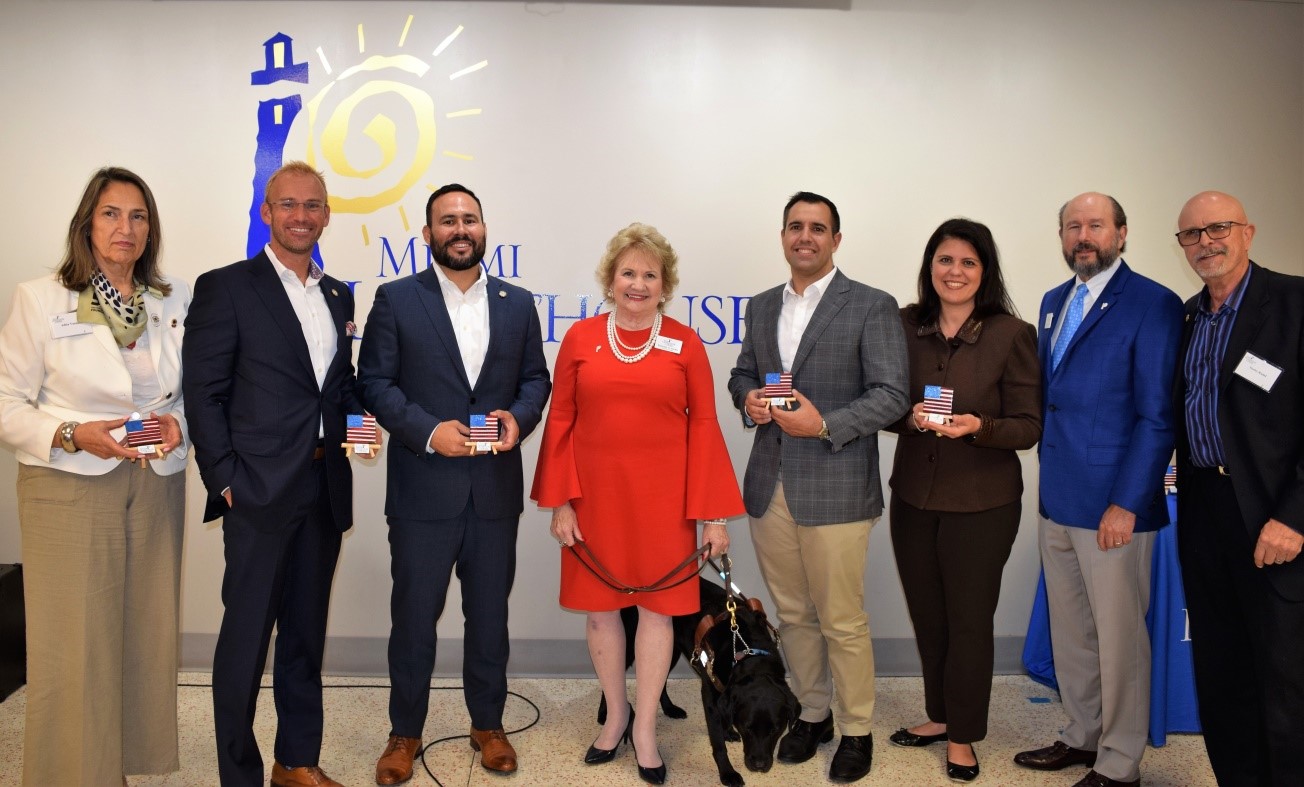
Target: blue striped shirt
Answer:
[[1204, 358]]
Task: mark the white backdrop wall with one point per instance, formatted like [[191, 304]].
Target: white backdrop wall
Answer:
[[571, 120]]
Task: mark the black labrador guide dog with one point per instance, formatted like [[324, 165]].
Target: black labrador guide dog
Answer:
[[745, 692]]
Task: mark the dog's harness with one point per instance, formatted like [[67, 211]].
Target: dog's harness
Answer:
[[704, 655]]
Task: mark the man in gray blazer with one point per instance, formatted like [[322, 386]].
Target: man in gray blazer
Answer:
[[812, 486]]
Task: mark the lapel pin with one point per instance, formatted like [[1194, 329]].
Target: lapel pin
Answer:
[[597, 349], [334, 291], [502, 293], [1104, 306]]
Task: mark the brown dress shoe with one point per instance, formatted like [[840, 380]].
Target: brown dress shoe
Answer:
[[395, 765], [1093, 779], [496, 754], [303, 776], [1055, 757]]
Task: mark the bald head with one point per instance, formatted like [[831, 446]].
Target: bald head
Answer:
[[1219, 262]]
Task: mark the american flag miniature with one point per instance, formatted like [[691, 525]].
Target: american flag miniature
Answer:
[[938, 399], [778, 385], [144, 431], [360, 429], [1170, 479], [484, 428]]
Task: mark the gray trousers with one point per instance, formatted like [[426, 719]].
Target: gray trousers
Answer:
[[1098, 602]]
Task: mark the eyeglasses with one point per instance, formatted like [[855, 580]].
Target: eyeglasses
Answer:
[[290, 206], [1216, 231]]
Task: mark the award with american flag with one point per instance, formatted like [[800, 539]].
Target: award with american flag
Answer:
[[143, 434], [1170, 480], [484, 434], [937, 403], [778, 388], [360, 435]]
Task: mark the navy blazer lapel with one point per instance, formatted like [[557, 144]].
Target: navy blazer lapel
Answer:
[[1046, 337], [499, 317], [1254, 310], [432, 299], [331, 289], [831, 303], [271, 291]]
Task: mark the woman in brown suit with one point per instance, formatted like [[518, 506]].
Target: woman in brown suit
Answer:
[[956, 481]]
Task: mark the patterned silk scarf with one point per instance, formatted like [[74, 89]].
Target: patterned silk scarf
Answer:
[[102, 304]]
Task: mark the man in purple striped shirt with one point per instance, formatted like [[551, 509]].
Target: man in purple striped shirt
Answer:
[[1240, 505]]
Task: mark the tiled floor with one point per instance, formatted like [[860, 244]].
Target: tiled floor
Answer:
[[551, 741]]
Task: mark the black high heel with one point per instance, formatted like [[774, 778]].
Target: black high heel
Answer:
[[655, 775], [596, 756]]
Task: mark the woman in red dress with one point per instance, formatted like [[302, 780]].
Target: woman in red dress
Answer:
[[632, 457]]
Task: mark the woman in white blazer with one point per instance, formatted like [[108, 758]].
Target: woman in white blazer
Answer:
[[83, 352]]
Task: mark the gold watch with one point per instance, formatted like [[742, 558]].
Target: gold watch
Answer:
[[65, 436], [824, 429]]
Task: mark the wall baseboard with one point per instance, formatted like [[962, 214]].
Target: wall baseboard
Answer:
[[558, 658]]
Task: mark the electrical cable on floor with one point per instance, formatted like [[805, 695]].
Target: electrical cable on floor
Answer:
[[421, 755]]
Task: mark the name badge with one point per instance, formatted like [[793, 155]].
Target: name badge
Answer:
[[1258, 371], [65, 325], [668, 344]]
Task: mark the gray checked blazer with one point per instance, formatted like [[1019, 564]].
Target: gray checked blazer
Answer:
[[851, 363]]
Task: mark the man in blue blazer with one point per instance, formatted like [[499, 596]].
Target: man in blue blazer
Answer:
[[1108, 344], [1240, 502], [268, 382], [441, 347]]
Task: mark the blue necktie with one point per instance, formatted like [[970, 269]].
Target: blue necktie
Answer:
[[1071, 322]]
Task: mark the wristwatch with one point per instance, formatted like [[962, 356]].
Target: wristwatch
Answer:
[[824, 429], [65, 436]]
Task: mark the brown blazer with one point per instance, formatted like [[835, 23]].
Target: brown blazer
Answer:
[[992, 366]]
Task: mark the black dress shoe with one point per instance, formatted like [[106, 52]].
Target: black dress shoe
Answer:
[[963, 773], [1093, 779], [803, 737], [904, 737], [1055, 757], [596, 756], [852, 760], [655, 775]]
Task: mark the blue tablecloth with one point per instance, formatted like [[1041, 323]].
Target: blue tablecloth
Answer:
[[1172, 683]]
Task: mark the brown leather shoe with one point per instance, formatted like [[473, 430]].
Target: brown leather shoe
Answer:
[[395, 765], [1055, 757], [303, 776], [496, 753]]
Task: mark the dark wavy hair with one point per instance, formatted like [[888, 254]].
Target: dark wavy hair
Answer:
[[991, 297], [78, 263]]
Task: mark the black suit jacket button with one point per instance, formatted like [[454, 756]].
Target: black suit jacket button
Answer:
[[472, 400], [1052, 408]]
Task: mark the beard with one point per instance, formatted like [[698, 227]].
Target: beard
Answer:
[[444, 258], [1087, 268]]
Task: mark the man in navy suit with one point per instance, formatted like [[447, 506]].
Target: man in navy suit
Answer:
[[1240, 472], [441, 347], [1108, 345], [268, 382]]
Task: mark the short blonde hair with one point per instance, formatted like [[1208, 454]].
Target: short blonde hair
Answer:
[[647, 238], [298, 168]]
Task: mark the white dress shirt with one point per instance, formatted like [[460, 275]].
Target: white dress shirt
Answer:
[[795, 315], [309, 304], [469, 313]]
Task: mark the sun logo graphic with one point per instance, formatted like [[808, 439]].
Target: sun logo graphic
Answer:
[[370, 124]]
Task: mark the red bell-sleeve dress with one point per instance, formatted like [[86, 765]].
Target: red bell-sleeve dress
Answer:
[[637, 451]]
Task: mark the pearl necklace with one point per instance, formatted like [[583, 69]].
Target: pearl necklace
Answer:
[[640, 352]]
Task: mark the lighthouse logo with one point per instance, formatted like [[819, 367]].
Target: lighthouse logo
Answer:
[[388, 117]]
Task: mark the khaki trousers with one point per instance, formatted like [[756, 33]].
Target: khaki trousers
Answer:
[[101, 579], [816, 577]]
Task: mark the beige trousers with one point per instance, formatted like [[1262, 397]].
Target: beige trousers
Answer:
[[101, 580], [816, 577]]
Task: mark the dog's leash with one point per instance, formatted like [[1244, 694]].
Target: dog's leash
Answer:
[[590, 561]]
